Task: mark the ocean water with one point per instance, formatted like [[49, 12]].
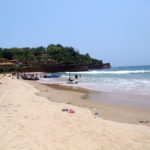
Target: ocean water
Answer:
[[129, 79]]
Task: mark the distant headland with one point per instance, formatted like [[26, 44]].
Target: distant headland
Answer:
[[54, 58]]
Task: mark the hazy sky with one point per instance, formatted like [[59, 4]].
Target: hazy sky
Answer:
[[116, 31]]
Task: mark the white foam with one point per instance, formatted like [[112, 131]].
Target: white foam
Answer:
[[141, 87], [114, 72], [138, 86]]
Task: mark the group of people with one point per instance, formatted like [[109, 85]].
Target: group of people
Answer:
[[75, 80], [32, 76], [27, 76]]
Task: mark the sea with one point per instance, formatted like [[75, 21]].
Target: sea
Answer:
[[126, 79]]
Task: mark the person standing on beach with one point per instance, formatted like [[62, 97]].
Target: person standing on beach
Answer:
[[17, 75]]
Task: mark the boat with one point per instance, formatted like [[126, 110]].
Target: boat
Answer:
[[52, 76], [30, 77]]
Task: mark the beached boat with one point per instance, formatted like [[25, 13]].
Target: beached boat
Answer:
[[29, 77]]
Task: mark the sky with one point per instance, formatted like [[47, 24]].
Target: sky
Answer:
[[115, 31]]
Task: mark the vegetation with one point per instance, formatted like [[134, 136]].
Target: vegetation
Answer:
[[53, 54]]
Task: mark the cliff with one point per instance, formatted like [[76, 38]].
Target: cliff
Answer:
[[100, 66], [54, 68]]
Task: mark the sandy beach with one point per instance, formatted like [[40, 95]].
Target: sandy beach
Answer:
[[30, 120], [109, 106]]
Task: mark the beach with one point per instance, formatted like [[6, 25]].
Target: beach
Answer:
[[105, 104], [32, 117]]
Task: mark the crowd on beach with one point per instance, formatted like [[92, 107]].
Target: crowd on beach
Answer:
[[27, 76], [37, 75]]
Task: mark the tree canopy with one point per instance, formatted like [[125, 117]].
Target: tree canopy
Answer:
[[59, 54]]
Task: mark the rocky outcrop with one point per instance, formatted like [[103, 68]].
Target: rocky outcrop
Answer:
[[55, 68], [101, 66]]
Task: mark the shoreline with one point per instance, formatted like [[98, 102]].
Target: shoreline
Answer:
[[82, 97]]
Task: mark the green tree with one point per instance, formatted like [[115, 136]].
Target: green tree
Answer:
[[58, 53], [7, 53], [1, 55]]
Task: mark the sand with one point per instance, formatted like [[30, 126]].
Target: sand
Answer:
[[107, 110], [32, 122]]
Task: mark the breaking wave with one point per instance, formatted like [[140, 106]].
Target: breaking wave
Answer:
[[116, 72]]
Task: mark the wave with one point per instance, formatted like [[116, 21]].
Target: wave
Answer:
[[115, 72]]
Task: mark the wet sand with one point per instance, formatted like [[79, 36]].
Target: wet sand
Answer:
[[105, 104]]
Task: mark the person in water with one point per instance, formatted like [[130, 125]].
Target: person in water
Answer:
[[70, 79], [76, 76]]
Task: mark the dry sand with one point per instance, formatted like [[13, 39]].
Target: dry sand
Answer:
[[31, 122]]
